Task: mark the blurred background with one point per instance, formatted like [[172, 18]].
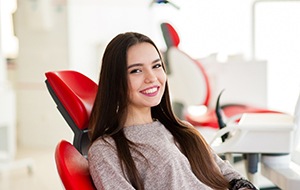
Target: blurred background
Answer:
[[37, 36]]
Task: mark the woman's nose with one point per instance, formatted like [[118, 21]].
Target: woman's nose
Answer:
[[150, 77]]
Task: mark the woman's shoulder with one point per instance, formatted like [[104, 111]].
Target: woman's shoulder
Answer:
[[104, 141], [102, 145]]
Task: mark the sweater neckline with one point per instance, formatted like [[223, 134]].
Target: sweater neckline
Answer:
[[155, 122]]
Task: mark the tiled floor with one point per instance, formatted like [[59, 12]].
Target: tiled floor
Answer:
[[43, 176]]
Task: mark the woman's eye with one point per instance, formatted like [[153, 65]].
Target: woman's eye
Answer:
[[135, 71], [157, 65]]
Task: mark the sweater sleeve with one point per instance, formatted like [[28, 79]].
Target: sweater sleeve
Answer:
[[105, 167], [236, 180], [226, 169]]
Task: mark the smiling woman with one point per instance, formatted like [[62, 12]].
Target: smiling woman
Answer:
[[137, 141], [146, 82]]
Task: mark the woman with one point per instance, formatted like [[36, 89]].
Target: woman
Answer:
[[137, 141]]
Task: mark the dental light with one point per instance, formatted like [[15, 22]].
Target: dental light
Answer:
[[164, 2]]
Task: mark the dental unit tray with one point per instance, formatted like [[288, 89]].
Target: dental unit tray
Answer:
[[257, 133]]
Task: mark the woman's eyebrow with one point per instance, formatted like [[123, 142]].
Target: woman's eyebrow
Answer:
[[156, 60], [141, 64], [134, 65]]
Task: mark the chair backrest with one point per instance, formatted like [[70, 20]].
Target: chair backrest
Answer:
[[189, 83], [170, 35], [72, 167], [74, 94]]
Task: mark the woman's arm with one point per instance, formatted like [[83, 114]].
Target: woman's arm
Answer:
[[105, 167], [236, 180]]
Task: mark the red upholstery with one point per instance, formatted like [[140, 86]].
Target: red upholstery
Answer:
[[76, 92], [72, 167], [210, 119]]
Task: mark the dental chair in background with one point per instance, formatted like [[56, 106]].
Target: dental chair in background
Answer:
[[74, 95], [190, 86]]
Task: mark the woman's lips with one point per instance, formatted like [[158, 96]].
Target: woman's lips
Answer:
[[152, 91]]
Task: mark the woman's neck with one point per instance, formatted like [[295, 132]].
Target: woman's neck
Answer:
[[138, 117]]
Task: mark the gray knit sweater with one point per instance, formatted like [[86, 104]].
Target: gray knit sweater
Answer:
[[166, 167]]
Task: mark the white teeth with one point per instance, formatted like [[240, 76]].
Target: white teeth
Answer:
[[149, 91]]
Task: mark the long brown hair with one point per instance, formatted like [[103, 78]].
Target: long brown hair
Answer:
[[110, 110]]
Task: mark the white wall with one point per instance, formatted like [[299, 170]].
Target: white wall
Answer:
[[43, 42], [92, 24], [278, 41], [214, 26]]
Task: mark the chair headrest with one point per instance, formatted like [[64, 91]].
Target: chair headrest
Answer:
[[170, 35], [76, 93]]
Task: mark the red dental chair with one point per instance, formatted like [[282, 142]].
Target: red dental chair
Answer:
[[74, 95], [193, 86]]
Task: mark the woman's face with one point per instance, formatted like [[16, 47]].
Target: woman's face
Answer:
[[146, 76]]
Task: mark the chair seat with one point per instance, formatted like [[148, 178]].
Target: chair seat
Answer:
[[72, 167]]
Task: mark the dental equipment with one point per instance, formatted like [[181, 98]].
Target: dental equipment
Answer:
[[273, 136]]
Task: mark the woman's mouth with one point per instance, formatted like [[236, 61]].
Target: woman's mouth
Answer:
[[150, 91]]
